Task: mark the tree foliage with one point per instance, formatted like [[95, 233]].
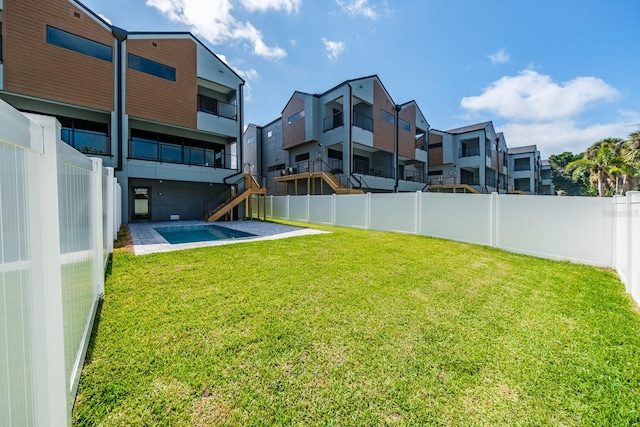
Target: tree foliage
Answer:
[[564, 181]]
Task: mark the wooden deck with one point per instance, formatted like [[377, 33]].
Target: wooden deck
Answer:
[[313, 182]]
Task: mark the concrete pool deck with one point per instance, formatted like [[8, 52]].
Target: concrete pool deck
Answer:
[[146, 240]]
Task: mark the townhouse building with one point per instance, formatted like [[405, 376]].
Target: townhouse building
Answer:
[[160, 108], [546, 180], [351, 138], [472, 158], [525, 166]]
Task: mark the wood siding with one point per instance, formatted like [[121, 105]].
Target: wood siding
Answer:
[[407, 139], [436, 153], [293, 134], [35, 68], [154, 98], [383, 132]]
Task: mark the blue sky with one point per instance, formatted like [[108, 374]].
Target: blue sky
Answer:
[[560, 74]]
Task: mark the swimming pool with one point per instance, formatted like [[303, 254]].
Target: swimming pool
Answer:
[[199, 233]]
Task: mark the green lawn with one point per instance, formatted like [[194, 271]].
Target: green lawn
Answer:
[[360, 328]]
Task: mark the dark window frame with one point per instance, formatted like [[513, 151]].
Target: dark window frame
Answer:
[[387, 117], [295, 117], [78, 44], [153, 68]]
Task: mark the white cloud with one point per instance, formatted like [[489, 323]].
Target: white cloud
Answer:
[[531, 96], [554, 137], [500, 57], [263, 5], [333, 48], [358, 7], [539, 111], [213, 20]]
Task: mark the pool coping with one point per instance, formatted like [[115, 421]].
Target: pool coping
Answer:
[[146, 240]]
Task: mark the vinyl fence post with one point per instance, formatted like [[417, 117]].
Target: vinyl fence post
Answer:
[[494, 219], [418, 212]]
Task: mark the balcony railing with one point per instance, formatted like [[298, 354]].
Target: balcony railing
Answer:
[[158, 151], [365, 168], [469, 152], [86, 141], [421, 143], [521, 167], [490, 182], [362, 121], [333, 121], [470, 180], [414, 176], [487, 151], [216, 107]]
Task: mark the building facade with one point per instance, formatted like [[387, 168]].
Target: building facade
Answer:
[[471, 158], [351, 137], [160, 108], [526, 170]]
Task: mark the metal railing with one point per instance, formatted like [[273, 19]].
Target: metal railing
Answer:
[[86, 141], [487, 151], [216, 107], [158, 151], [469, 152], [333, 121], [364, 168], [414, 176], [362, 121]]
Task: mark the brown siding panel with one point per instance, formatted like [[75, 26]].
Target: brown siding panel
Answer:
[[154, 98], [435, 156], [293, 134], [407, 139], [34, 67], [383, 132]]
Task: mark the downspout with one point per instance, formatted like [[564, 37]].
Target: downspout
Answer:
[[350, 135], [120, 36], [397, 152]]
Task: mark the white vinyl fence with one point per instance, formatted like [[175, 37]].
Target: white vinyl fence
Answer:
[[603, 232], [57, 219]]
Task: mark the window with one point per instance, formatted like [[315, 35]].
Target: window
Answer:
[[269, 134], [88, 137], [301, 157], [78, 44], [296, 117], [251, 139], [275, 167], [404, 124], [387, 117], [153, 68], [435, 145], [435, 173], [334, 154], [209, 105], [521, 165]]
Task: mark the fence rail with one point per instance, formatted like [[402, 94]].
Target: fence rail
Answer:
[[597, 231], [57, 224]]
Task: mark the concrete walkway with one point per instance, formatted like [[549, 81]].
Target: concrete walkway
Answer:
[[146, 240]]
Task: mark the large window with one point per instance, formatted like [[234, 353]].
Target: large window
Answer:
[[78, 44], [387, 116], [297, 116], [153, 68], [145, 145], [522, 164], [88, 137]]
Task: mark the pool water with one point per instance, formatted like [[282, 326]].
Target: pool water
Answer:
[[199, 233]]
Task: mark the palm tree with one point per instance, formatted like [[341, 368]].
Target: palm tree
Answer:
[[632, 147], [597, 162]]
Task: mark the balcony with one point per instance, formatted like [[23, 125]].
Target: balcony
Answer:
[[181, 151], [469, 152], [414, 176], [86, 141], [333, 121], [364, 168], [216, 107], [362, 121]]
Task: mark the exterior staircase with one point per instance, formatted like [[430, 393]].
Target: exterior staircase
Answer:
[[251, 187]]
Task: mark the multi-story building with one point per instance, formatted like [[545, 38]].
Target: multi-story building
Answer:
[[525, 168], [160, 108], [470, 159], [546, 181], [351, 138]]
